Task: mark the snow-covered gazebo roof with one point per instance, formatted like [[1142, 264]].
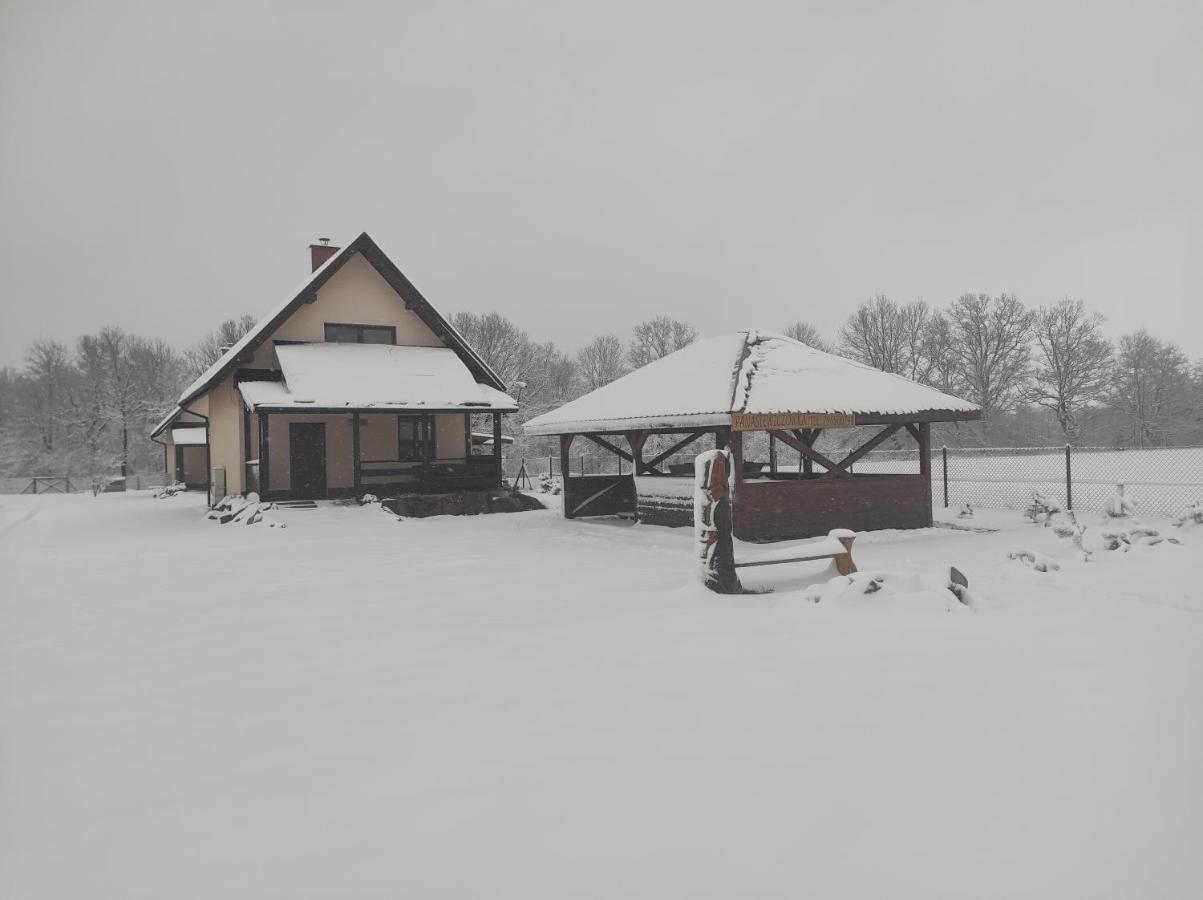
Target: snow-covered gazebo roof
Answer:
[[744, 379]]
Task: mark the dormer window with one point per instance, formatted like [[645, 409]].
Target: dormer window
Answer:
[[338, 333]]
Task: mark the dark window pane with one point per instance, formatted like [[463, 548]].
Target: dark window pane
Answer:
[[342, 334], [372, 335]]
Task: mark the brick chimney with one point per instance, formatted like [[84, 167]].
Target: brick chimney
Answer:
[[320, 252]]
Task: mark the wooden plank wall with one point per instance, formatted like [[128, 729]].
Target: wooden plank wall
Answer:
[[785, 510]]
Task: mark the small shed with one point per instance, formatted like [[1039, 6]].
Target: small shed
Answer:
[[728, 386]]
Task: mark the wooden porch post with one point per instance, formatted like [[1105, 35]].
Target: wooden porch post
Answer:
[[246, 452], [355, 450], [565, 447], [264, 482], [497, 446], [925, 449], [925, 464], [636, 440]]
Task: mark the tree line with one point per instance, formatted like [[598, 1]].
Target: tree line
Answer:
[[1043, 375]]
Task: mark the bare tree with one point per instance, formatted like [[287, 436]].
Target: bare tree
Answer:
[[657, 338], [938, 360], [809, 335], [601, 361], [887, 336], [1151, 388], [44, 399], [1073, 362], [209, 349], [547, 376], [991, 345]]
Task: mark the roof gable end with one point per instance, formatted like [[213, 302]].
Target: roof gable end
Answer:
[[244, 349]]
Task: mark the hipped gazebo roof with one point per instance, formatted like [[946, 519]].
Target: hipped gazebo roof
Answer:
[[736, 377]]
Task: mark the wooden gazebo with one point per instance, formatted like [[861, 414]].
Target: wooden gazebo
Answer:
[[755, 381]]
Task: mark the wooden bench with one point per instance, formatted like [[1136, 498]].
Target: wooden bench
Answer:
[[837, 546]]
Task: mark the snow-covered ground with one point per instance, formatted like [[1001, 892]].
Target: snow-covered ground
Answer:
[[519, 706]]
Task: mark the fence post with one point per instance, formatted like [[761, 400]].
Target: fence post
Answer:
[[582, 464], [944, 455], [1069, 484]]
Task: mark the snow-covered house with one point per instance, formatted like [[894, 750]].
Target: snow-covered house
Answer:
[[353, 383], [757, 381]]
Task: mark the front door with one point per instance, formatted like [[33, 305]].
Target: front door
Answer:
[[307, 458]]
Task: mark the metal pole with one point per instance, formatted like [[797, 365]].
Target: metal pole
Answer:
[[1069, 484], [944, 454]]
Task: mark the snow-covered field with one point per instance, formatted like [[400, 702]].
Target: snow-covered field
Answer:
[[519, 706]]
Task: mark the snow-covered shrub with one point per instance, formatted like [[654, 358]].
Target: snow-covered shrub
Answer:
[[1119, 506], [1034, 560], [1137, 535], [1192, 516], [966, 511], [1041, 509], [1072, 531], [368, 498], [549, 484], [945, 589], [170, 490]]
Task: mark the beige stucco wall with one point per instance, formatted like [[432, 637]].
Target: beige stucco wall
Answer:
[[225, 432], [168, 456], [340, 469], [356, 295]]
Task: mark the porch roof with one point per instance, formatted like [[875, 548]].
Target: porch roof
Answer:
[[372, 376]]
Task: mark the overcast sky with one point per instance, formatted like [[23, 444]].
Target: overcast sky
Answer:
[[579, 167]]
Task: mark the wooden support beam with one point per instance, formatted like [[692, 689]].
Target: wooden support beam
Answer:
[[689, 439], [931, 415], [810, 454], [606, 445], [868, 445], [914, 430], [772, 455]]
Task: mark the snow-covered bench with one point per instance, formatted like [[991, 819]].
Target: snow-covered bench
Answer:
[[837, 546]]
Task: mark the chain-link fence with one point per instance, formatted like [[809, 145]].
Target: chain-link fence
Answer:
[[1159, 482]]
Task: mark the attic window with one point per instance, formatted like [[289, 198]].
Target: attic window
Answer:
[[338, 333]]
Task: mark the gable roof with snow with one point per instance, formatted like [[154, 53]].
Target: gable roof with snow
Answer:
[[242, 351], [703, 384]]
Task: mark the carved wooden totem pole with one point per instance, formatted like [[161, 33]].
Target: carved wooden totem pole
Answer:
[[712, 520]]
